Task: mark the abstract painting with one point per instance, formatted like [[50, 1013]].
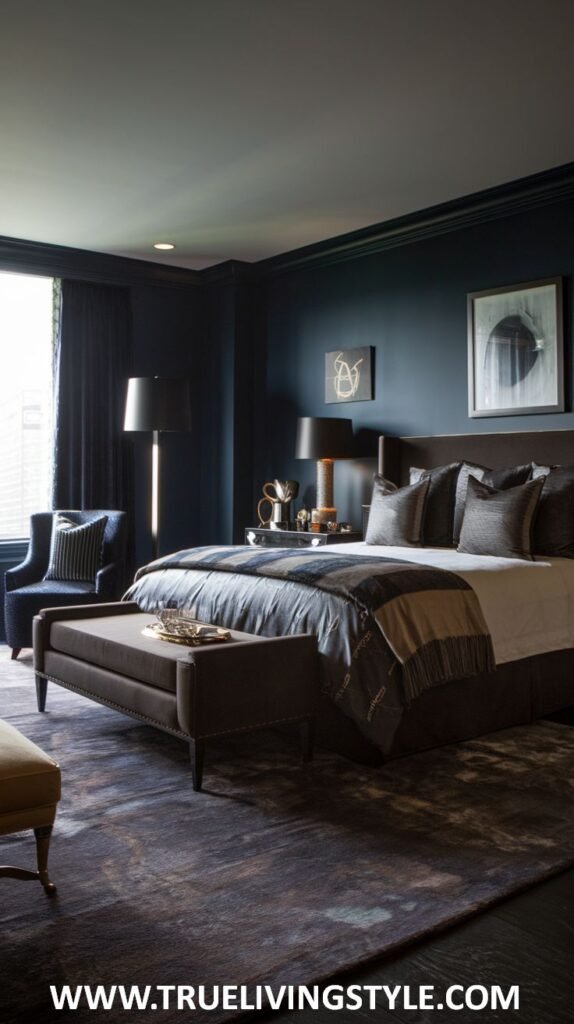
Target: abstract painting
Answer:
[[348, 375], [515, 350]]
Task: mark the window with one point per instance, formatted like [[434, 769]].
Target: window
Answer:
[[26, 318]]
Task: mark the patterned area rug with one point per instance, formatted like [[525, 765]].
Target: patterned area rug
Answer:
[[277, 873]]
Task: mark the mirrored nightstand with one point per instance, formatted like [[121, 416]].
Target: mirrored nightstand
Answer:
[[262, 536]]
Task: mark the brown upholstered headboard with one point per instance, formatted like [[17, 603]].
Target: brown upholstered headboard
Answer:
[[396, 454]]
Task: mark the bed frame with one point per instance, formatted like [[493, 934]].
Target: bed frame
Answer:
[[518, 692]]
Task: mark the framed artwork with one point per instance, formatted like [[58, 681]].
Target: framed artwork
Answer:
[[349, 375], [516, 350]]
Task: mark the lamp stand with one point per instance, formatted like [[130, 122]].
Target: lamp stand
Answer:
[[155, 495], [325, 513]]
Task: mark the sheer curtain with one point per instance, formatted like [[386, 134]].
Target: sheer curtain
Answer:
[[92, 458]]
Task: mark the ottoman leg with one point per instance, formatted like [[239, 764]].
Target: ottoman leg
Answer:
[[15, 653], [196, 755], [42, 847], [307, 737], [41, 690]]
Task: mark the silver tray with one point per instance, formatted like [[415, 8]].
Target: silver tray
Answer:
[[181, 630]]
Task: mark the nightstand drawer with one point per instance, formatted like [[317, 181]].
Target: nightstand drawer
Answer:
[[262, 536]]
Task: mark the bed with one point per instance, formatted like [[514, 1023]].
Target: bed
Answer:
[[528, 608]]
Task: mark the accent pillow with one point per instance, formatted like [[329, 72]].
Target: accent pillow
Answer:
[[554, 526], [76, 550], [466, 469], [500, 479], [439, 512], [499, 522], [396, 515]]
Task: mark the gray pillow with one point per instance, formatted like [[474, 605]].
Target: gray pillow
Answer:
[[499, 522], [554, 526], [439, 510], [396, 515], [501, 479], [76, 550]]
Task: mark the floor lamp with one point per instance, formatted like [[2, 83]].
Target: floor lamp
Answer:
[[156, 404]]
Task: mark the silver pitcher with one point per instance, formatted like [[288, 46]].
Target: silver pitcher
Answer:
[[278, 494]]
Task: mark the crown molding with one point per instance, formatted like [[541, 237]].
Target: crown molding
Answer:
[[232, 272], [491, 204], [23, 256]]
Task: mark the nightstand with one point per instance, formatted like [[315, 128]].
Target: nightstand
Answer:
[[262, 536]]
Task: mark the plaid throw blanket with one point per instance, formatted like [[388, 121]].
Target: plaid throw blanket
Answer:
[[430, 618]]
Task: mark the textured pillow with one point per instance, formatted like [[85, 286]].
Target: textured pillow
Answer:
[[511, 476], [554, 525], [396, 515], [500, 479], [76, 551], [466, 469], [439, 511], [499, 522]]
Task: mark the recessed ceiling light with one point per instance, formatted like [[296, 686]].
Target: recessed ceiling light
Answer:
[[163, 245]]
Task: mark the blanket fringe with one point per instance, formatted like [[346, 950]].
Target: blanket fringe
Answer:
[[447, 659]]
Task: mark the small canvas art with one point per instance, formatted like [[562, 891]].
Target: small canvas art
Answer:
[[348, 375]]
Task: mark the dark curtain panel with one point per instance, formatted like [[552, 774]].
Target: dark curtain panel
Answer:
[[92, 458]]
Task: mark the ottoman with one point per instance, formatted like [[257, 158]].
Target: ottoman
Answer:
[[196, 693], [29, 794]]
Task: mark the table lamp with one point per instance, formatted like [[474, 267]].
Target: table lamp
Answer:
[[324, 439]]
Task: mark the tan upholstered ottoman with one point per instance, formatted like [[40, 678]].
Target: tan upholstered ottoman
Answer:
[[29, 794], [196, 693]]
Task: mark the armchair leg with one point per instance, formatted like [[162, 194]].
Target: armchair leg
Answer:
[[196, 754], [41, 691], [42, 834], [15, 653], [42, 847]]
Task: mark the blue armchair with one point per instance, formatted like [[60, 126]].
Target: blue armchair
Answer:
[[27, 591]]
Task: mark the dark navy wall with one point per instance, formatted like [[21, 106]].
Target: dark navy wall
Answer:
[[409, 303]]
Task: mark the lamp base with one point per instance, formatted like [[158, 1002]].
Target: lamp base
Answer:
[[324, 515]]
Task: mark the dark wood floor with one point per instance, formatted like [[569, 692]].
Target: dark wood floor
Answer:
[[528, 940]]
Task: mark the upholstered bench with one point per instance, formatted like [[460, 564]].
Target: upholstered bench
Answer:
[[197, 693], [29, 794]]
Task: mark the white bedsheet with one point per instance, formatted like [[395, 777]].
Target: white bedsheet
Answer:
[[528, 606]]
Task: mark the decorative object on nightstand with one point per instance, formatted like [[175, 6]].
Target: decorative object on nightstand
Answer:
[[324, 439], [303, 518], [156, 404], [278, 494]]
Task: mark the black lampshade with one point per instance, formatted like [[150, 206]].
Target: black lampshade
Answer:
[[158, 403], [323, 437]]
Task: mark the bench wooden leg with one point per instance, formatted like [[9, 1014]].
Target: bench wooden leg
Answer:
[[307, 737], [42, 848], [196, 755], [41, 690]]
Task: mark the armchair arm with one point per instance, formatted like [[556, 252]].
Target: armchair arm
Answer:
[[106, 582], [36, 562], [21, 575]]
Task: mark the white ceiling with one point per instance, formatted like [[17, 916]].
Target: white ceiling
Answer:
[[244, 128]]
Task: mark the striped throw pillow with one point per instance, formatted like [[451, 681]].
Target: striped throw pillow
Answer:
[[76, 551]]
